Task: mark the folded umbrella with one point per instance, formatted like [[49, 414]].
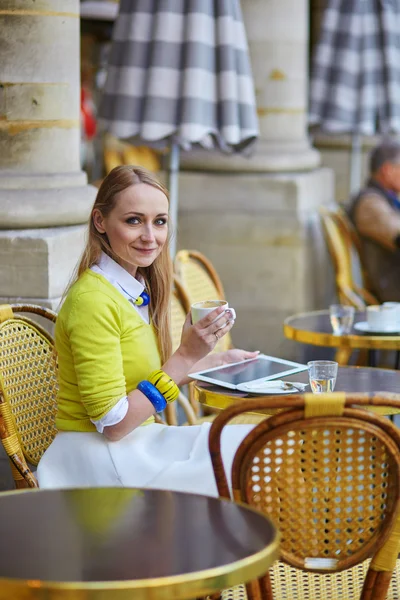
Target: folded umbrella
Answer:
[[179, 76]]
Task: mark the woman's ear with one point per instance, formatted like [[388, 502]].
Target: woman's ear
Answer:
[[98, 220]]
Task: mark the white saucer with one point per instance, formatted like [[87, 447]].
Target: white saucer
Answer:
[[270, 387], [365, 328]]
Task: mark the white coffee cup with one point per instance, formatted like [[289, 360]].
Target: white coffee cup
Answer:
[[380, 316], [396, 307], [201, 309]]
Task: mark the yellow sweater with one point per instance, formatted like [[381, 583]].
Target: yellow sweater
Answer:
[[104, 350]]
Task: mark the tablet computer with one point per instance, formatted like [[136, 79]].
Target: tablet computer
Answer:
[[262, 368]]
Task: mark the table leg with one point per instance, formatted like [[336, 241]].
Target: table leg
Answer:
[[372, 354], [342, 356]]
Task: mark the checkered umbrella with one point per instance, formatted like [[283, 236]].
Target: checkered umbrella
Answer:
[[355, 84], [179, 75]]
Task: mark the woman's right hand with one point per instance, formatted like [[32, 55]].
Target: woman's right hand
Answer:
[[199, 340]]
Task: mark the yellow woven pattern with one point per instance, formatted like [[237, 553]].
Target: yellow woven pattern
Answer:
[[178, 317], [320, 405], [200, 286], [290, 583], [327, 489], [197, 281], [236, 593], [386, 558], [11, 444], [6, 312], [29, 384]]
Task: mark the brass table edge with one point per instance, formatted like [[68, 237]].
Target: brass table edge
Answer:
[[190, 585], [373, 342], [219, 401]]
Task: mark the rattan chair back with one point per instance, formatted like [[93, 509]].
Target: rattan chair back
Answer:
[[344, 247], [180, 307], [201, 282], [330, 482], [353, 241], [28, 388]]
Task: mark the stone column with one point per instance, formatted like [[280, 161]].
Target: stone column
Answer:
[[256, 217], [44, 195]]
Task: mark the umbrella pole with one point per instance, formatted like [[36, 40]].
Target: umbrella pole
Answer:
[[173, 181], [355, 164]]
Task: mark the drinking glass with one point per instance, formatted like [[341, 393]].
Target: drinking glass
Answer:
[[322, 375], [342, 318]]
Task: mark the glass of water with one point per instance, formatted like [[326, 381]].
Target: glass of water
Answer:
[[322, 375], [342, 318]]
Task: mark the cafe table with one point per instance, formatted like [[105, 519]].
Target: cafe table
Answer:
[[349, 379], [315, 328], [128, 544]]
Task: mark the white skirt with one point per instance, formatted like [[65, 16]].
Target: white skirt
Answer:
[[153, 456]]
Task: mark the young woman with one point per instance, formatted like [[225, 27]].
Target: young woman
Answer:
[[114, 352]]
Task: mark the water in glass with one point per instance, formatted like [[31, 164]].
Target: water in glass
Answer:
[[322, 375], [341, 318], [319, 386]]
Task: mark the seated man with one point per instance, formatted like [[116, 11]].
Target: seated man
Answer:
[[375, 212]]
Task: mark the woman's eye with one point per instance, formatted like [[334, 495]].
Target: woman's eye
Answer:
[[132, 220], [161, 222]]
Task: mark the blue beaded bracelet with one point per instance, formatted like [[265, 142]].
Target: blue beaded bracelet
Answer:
[[152, 394]]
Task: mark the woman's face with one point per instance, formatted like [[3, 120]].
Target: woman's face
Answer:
[[137, 226]]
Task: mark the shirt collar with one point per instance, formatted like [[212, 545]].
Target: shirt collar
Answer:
[[115, 272]]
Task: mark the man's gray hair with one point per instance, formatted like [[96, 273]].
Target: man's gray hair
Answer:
[[388, 151]]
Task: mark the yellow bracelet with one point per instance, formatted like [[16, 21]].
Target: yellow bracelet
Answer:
[[165, 385]]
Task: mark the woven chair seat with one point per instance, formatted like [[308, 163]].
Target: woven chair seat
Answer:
[[288, 583]]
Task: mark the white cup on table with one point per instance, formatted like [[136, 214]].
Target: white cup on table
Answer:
[[382, 316], [201, 309], [396, 307]]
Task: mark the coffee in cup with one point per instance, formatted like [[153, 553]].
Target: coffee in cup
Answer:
[[201, 309]]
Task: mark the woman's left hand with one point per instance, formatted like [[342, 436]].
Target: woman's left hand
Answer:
[[236, 355]]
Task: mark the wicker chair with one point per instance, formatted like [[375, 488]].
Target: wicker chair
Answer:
[[344, 246], [180, 307], [201, 282], [28, 388], [327, 471]]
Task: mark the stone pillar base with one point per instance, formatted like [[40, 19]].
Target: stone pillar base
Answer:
[[36, 264], [45, 200], [265, 157], [262, 233]]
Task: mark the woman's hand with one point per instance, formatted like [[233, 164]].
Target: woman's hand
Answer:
[[219, 359], [200, 339], [236, 355]]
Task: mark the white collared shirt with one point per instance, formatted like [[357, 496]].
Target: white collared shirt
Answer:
[[126, 284], [130, 288]]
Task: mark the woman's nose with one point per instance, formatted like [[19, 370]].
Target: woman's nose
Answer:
[[148, 233]]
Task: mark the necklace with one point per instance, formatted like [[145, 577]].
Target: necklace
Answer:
[[143, 299]]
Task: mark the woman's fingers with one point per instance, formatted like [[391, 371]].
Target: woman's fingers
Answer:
[[211, 317], [226, 326]]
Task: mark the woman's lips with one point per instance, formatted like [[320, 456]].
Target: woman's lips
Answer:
[[145, 250]]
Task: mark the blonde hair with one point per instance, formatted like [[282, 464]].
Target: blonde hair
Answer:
[[158, 276]]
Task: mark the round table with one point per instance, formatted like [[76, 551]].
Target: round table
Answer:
[[121, 543], [315, 328], [349, 379]]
